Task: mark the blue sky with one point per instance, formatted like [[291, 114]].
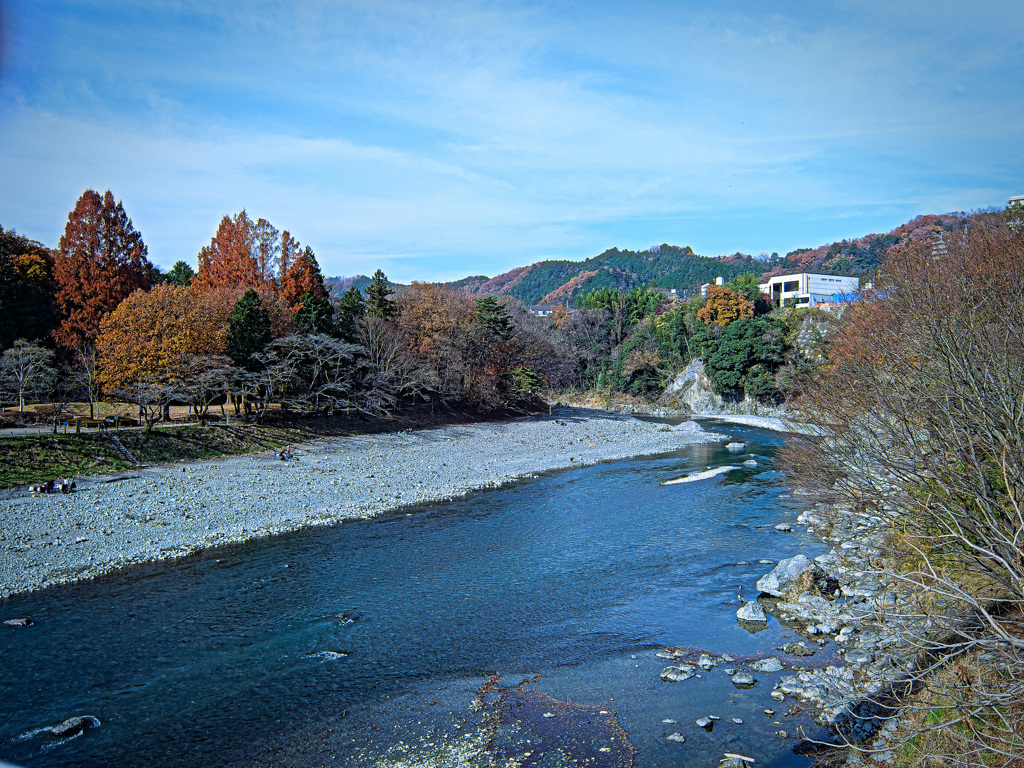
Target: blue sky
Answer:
[[440, 139]]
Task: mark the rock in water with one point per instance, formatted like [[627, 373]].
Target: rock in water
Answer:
[[72, 727], [771, 664], [678, 674], [743, 679], [798, 649], [753, 612], [689, 428], [735, 447], [792, 577]]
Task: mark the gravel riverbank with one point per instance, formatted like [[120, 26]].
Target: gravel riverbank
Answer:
[[170, 511]]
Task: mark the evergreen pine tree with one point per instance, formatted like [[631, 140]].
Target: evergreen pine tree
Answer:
[[494, 317], [377, 301], [347, 314], [248, 330], [314, 315]]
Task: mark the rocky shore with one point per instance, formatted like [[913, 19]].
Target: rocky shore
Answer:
[[165, 512], [838, 597]]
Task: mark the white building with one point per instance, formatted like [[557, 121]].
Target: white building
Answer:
[[704, 288], [806, 289], [543, 310]]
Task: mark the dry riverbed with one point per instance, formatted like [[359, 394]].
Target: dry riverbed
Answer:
[[170, 511]]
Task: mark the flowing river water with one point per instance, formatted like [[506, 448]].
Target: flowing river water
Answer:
[[517, 626]]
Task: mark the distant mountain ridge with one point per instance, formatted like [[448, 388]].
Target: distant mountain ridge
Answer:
[[558, 282], [673, 266]]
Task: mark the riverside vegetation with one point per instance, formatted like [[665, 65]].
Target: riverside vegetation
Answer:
[[919, 417]]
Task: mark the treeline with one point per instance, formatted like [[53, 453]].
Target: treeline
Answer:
[[253, 326]]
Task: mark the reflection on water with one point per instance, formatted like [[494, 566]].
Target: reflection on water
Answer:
[[370, 641]]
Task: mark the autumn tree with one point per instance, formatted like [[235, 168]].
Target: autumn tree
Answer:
[[724, 306], [229, 260], [434, 320], [288, 251], [101, 260], [303, 276], [154, 335], [162, 345]]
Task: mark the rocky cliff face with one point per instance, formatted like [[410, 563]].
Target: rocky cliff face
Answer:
[[691, 391]]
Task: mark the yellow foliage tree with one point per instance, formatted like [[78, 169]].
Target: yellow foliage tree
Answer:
[[153, 335], [724, 306]]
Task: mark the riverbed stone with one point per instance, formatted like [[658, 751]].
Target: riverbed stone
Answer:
[[752, 612], [706, 662], [678, 674], [743, 679], [798, 649], [792, 577], [771, 664]]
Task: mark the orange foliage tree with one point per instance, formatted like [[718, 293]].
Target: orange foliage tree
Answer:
[[723, 306], [301, 277], [289, 252], [101, 260], [229, 259]]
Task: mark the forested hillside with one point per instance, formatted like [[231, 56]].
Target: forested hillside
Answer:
[[673, 266], [558, 282]]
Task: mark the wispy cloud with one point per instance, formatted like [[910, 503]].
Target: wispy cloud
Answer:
[[444, 139]]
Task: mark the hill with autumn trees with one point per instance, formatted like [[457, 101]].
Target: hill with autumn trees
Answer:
[[678, 267]]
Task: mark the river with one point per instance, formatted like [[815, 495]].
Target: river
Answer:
[[381, 642]]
